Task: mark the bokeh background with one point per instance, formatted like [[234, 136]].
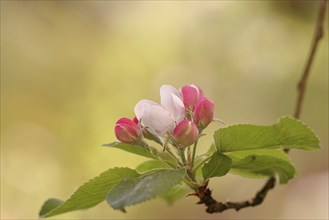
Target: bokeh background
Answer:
[[70, 69]]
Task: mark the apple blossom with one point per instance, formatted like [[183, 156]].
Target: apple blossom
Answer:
[[204, 112], [160, 119]]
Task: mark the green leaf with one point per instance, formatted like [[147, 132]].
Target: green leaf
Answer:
[[265, 165], [135, 149], [151, 165], [211, 150], [49, 205], [175, 193], [167, 158], [295, 134], [201, 159], [89, 194], [150, 152], [287, 133], [239, 155], [131, 191], [218, 165]]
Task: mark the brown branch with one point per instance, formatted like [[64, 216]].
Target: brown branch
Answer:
[[204, 193], [318, 34], [213, 206]]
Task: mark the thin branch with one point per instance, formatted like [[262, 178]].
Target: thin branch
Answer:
[[318, 34], [204, 193], [213, 206]]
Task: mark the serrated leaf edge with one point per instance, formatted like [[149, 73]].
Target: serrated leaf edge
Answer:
[[304, 124], [276, 123], [48, 214]]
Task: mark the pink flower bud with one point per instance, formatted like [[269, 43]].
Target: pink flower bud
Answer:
[[135, 119], [204, 112], [191, 95], [185, 133], [126, 131]]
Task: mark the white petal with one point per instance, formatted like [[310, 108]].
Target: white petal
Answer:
[[157, 120], [178, 111], [141, 106], [172, 101], [165, 93]]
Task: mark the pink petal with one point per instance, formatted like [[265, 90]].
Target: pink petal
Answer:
[[191, 95]]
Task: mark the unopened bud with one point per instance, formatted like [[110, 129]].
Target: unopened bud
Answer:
[[126, 131], [204, 112], [185, 133], [191, 95], [135, 120]]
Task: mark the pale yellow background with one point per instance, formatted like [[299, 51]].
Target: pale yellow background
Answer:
[[70, 69]]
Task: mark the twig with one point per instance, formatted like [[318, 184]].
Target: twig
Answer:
[[318, 34], [204, 193], [213, 206]]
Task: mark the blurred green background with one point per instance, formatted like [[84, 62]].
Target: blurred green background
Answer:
[[70, 69]]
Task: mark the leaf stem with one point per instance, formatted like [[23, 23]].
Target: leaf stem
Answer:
[[189, 159], [193, 154], [182, 155], [192, 185], [201, 163], [174, 156]]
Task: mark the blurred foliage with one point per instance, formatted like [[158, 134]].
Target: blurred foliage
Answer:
[[69, 69]]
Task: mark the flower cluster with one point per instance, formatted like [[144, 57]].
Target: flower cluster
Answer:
[[180, 117]]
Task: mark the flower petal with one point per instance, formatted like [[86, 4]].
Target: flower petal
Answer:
[[172, 101], [191, 95], [157, 120], [178, 112], [141, 106]]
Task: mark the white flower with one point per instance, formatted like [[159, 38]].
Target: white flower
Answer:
[[160, 119]]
